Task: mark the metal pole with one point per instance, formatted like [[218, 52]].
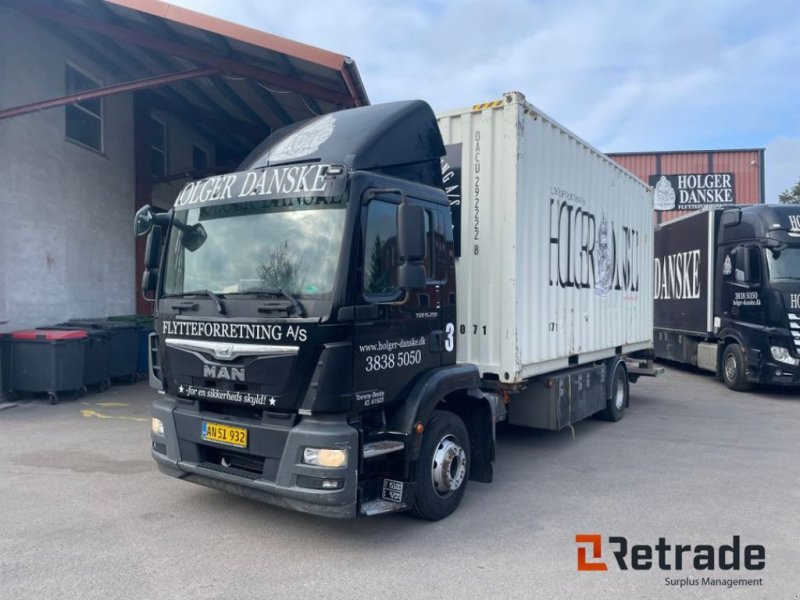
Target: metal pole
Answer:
[[106, 91]]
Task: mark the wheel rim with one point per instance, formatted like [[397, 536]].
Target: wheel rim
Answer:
[[619, 396], [448, 467], [730, 367]]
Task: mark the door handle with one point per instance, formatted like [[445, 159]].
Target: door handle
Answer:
[[437, 341]]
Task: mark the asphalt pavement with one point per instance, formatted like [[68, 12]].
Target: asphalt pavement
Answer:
[[85, 514]]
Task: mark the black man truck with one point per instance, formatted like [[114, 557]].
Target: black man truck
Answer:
[[331, 340], [727, 293]]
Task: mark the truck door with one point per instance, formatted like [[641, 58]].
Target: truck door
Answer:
[[741, 298], [398, 334]]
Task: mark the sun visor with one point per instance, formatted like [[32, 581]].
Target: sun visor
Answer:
[[398, 138]]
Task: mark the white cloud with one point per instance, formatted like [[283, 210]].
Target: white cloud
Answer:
[[626, 75]]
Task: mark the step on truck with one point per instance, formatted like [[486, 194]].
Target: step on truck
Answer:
[[727, 293], [341, 323]]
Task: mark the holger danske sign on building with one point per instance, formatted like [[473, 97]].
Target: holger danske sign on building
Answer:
[[692, 191]]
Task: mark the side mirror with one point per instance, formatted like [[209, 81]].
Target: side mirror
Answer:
[[410, 232], [747, 269], [731, 217], [143, 221], [152, 252], [411, 276], [149, 282], [194, 237]]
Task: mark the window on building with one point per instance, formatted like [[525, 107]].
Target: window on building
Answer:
[[199, 158], [84, 119], [158, 147]]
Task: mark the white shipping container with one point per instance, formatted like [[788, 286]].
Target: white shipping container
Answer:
[[556, 244]]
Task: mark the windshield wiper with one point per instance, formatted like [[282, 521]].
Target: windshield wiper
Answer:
[[210, 294], [295, 304]]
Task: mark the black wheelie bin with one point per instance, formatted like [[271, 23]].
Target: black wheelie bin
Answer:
[[43, 361], [97, 363], [144, 326], [123, 345]]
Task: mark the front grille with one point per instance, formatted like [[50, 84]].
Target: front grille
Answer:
[[239, 463], [231, 410], [230, 471], [794, 326]]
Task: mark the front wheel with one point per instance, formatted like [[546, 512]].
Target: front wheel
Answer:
[[733, 368], [442, 467], [618, 400]]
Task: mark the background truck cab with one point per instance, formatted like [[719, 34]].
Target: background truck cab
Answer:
[[727, 285]]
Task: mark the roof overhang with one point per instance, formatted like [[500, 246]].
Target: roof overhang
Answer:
[[207, 68]]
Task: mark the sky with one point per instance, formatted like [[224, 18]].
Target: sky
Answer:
[[626, 75]]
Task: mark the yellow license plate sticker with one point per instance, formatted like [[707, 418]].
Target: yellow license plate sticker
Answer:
[[225, 434]]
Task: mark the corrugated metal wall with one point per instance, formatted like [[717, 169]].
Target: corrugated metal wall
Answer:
[[747, 166]]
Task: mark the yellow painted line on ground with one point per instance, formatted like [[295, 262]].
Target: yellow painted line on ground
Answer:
[[110, 404], [88, 412]]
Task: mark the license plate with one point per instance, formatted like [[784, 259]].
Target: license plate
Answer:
[[225, 434]]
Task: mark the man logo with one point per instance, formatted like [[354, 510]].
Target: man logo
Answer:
[[230, 373], [595, 540], [223, 351]]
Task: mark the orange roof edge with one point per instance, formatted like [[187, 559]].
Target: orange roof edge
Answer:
[[185, 16]]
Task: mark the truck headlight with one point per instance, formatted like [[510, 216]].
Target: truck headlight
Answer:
[[781, 354], [325, 457], [157, 426]]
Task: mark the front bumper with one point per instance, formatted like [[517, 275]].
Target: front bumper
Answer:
[[773, 372], [181, 453]]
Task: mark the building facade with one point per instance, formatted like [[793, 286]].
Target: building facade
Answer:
[[690, 180]]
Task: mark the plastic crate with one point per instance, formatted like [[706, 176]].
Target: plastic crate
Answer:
[[47, 361], [97, 363], [123, 345], [144, 326]]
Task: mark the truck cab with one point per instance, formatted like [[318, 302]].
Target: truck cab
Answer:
[[305, 309], [757, 295]]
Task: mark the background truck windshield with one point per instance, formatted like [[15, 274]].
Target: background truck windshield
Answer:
[[786, 265], [249, 248]]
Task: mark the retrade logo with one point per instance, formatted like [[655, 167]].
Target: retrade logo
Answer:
[[668, 557], [595, 542]]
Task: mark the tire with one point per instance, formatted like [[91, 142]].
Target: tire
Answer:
[[733, 368], [618, 400], [52, 398], [442, 468]]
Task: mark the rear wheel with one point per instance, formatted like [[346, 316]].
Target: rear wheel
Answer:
[[618, 400], [442, 467], [733, 368]]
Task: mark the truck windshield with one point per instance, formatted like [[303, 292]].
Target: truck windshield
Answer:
[[785, 266], [251, 247]]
